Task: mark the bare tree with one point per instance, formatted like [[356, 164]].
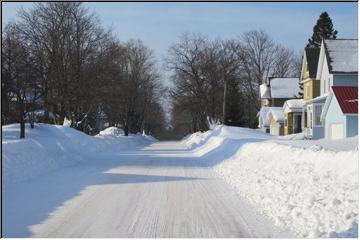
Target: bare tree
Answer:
[[18, 77], [283, 65]]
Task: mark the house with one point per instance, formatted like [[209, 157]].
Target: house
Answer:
[[293, 114], [337, 66], [276, 121], [311, 90], [277, 90], [273, 94], [340, 113]]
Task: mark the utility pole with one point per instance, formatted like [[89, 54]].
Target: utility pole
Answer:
[[224, 102]]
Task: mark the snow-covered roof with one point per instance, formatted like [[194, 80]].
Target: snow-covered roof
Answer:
[[277, 113], [312, 59], [265, 91], [294, 105], [342, 55], [265, 111], [284, 87]]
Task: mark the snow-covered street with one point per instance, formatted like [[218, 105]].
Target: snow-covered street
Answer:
[[226, 182], [162, 190]]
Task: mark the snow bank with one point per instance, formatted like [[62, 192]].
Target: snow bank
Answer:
[[313, 191], [49, 147], [112, 131], [219, 133], [310, 187]]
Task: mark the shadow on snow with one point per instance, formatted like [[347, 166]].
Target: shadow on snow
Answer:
[[32, 202]]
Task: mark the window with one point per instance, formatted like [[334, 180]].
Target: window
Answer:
[[317, 114], [285, 122]]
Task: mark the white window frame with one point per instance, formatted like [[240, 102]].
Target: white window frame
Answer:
[[309, 116], [315, 115]]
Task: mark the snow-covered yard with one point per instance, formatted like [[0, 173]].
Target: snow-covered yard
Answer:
[[307, 187]]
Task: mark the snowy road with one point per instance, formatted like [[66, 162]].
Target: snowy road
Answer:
[[162, 190]]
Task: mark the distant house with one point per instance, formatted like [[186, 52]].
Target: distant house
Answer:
[[293, 114], [273, 94], [264, 124], [340, 113], [276, 121], [337, 66], [277, 90], [311, 91]]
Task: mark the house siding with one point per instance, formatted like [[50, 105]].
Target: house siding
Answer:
[[317, 132], [278, 102], [334, 115], [288, 128], [351, 126], [314, 89], [325, 80], [345, 80], [288, 123]]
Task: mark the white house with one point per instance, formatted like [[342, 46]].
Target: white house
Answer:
[[337, 66]]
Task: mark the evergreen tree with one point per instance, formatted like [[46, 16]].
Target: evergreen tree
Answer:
[[322, 29], [234, 106]]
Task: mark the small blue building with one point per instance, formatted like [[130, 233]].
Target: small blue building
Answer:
[[340, 113]]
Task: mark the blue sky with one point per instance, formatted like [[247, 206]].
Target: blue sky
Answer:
[[159, 25]]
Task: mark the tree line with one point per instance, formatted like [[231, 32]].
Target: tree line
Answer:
[[58, 63], [217, 81], [59, 58]]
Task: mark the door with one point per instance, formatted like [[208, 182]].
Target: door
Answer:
[[297, 123], [336, 130]]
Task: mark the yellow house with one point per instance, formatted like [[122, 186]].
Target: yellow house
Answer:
[[311, 89], [311, 85]]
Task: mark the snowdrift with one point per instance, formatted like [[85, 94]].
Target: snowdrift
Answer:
[[308, 186], [220, 133], [49, 147], [112, 131]]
